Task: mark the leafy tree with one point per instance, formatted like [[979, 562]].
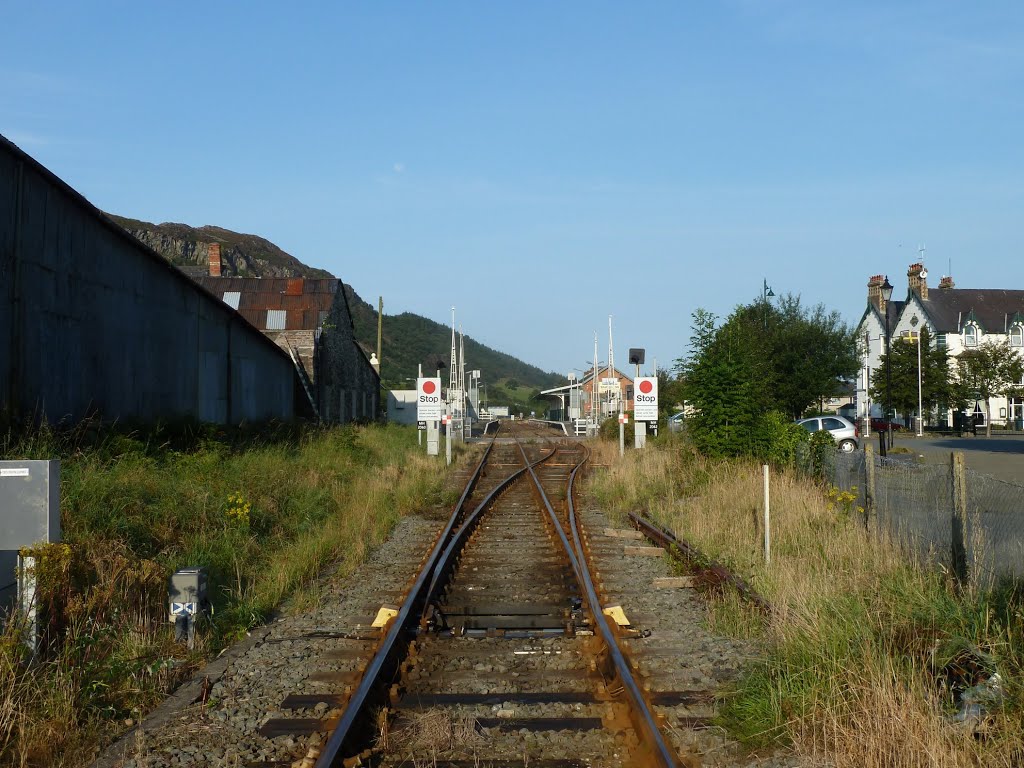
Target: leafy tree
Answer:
[[991, 369], [812, 350], [722, 384], [762, 359], [902, 358]]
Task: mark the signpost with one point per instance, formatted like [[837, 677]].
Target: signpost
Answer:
[[428, 409]]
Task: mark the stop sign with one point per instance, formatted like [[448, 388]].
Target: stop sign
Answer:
[[428, 399], [645, 399]]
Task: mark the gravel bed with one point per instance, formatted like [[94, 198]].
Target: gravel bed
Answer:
[[675, 651], [224, 730]]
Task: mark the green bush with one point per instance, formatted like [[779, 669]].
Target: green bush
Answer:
[[778, 439]]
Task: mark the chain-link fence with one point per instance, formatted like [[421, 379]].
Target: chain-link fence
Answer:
[[967, 521]]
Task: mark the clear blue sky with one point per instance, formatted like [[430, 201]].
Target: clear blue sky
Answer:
[[544, 165]]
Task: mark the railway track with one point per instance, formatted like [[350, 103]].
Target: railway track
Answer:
[[493, 648], [500, 653]]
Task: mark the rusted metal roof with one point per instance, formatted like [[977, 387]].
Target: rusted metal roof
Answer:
[[305, 302]]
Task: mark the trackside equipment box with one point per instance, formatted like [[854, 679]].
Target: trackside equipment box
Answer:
[[29, 515]]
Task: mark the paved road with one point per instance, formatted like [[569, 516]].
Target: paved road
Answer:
[[1001, 457]]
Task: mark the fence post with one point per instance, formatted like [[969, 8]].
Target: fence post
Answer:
[[959, 522], [869, 482]]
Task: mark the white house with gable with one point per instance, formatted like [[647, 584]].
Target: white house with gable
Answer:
[[956, 318]]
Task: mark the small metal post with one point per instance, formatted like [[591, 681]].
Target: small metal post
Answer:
[[767, 519], [448, 442], [869, 485], [28, 603]]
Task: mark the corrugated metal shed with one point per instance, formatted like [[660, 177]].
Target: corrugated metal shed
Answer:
[[276, 304]]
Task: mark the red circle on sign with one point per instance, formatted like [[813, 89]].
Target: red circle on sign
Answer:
[[646, 386], [429, 387]]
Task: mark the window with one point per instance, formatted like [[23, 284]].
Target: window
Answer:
[[276, 319], [971, 336], [940, 341], [1017, 336], [231, 298], [833, 424], [811, 425]]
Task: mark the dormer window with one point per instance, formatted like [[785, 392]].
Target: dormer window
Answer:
[[971, 336], [1017, 335]]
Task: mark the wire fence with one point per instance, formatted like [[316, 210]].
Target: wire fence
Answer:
[[968, 522]]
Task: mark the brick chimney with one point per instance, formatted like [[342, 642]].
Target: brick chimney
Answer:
[[917, 280], [215, 264], [875, 292], [946, 283]]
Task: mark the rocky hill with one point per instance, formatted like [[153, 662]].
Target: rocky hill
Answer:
[[408, 339], [241, 255]]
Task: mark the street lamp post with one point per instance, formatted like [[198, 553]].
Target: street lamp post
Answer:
[[766, 293], [886, 295], [920, 394]]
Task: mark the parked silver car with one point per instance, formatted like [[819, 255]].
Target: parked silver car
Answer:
[[845, 432]]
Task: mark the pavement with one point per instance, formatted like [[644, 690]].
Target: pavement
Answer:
[[999, 456]]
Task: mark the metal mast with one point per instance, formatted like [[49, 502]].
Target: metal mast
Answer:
[[611, 356], [593, 388], [453, 368], [462, 373]]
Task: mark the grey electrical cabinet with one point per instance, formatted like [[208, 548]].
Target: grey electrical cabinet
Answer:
[[29, 515]]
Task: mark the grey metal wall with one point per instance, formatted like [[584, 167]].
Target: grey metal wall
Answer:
[[97, 322]]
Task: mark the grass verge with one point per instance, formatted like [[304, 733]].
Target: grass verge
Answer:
[[866, 656], [265, 511]]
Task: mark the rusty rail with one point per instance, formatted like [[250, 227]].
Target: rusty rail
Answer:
[[644, 720], [717, 572]]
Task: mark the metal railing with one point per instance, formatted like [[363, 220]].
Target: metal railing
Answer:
[[965, 520]]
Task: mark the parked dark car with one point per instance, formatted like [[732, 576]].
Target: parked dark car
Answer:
[[882, 425]]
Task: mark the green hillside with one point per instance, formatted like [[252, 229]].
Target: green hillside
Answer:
[[409, 340]]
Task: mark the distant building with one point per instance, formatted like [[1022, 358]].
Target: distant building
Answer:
[[575, 399], [957, 319], [402, 406], [310, 319]]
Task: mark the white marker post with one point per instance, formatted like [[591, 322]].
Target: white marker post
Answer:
[[428, 409], [767, 520]]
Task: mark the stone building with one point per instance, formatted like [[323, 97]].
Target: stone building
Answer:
[[310, 319]]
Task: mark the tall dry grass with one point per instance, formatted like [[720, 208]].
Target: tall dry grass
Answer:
[[851, 669], [265, 512]]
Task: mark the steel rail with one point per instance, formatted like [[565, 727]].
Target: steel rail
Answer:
[[330, 753], [719, 572], [441, 567], [644, 720]]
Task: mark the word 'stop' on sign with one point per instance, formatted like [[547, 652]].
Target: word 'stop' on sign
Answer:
[[428, 400], [645, 399]]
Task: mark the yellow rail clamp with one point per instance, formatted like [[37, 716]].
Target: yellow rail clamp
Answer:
[[384, 615], [616, 614]]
